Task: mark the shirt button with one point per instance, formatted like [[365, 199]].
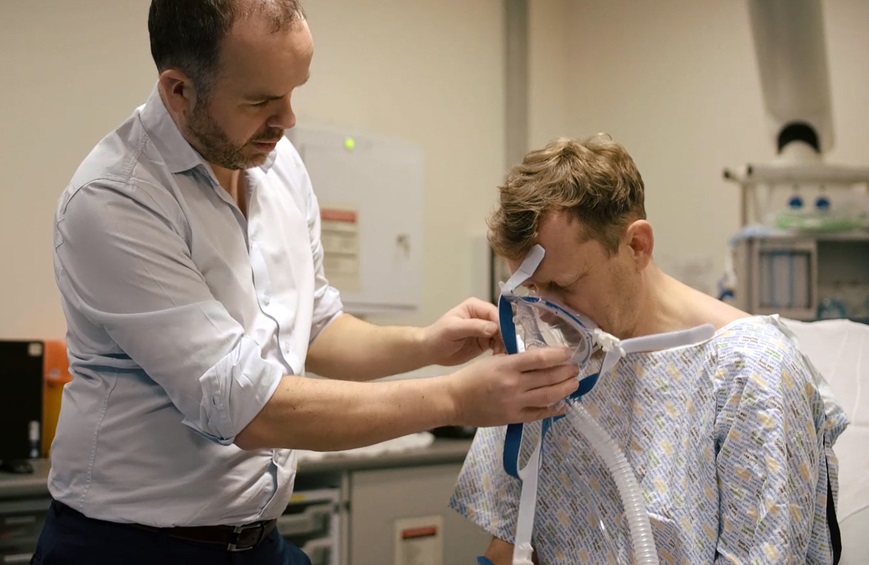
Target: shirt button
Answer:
[[286, 347], [266, 299]]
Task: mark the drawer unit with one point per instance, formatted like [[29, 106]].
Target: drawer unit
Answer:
[[312, 521], [20, 524]]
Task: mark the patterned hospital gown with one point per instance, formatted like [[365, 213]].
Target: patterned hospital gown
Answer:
[[728, 442]]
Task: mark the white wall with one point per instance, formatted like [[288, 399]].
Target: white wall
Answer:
[[429, 71], [71, 71], [548, 71], [676, 82], [432, 72]]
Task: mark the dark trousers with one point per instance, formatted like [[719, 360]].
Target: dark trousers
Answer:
[[71, 538]]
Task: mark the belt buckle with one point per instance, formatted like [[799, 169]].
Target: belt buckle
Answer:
[[237, 532]]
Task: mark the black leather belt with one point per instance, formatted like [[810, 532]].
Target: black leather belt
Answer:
[[233, 538]]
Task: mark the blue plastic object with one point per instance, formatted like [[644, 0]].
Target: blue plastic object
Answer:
[[832, 308], [795, 202]]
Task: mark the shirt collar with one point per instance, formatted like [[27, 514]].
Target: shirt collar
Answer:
[[176, 151]]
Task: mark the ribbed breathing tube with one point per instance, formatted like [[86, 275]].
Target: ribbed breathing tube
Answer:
[[642, 541]]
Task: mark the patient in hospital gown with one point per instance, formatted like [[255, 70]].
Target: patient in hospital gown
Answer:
[[730, 442]]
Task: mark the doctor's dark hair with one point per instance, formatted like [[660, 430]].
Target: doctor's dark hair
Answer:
[[594, 179], [187, 34]]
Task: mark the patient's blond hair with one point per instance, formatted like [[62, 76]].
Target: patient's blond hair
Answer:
[[595, 179]]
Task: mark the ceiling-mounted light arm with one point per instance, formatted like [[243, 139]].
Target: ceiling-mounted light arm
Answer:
[[791, 54]]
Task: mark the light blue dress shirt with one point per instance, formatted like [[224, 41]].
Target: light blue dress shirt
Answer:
[[182, 316]]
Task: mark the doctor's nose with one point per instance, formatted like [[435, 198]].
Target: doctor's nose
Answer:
[[284, 117]]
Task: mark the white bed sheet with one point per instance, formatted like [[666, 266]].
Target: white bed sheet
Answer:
[[840, 351]]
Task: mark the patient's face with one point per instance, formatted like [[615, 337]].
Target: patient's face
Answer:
[[581, 276]]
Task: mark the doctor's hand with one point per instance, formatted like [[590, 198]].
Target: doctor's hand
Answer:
[[463, 333], [506, 389]]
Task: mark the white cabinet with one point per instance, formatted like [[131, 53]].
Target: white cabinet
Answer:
[[401, 517], [370, 191]]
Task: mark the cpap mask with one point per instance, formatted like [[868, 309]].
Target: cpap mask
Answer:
[[528, 322]]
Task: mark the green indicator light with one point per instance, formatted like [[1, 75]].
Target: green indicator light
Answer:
[[349, 143]]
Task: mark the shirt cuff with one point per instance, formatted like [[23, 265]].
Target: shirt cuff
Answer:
[[234, 391]]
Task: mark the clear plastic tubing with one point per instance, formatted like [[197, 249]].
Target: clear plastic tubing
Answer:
[[642, 541]]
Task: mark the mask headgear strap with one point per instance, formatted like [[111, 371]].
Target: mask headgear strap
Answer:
[[526, 269], [616, 348], [505, 310], [529, 473]]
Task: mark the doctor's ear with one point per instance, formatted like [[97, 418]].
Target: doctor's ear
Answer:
[[641, 240], [178, 91]]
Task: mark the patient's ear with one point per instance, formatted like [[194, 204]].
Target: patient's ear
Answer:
[[641, 241]]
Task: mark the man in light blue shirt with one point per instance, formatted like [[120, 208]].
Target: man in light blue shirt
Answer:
[[188, 257]]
